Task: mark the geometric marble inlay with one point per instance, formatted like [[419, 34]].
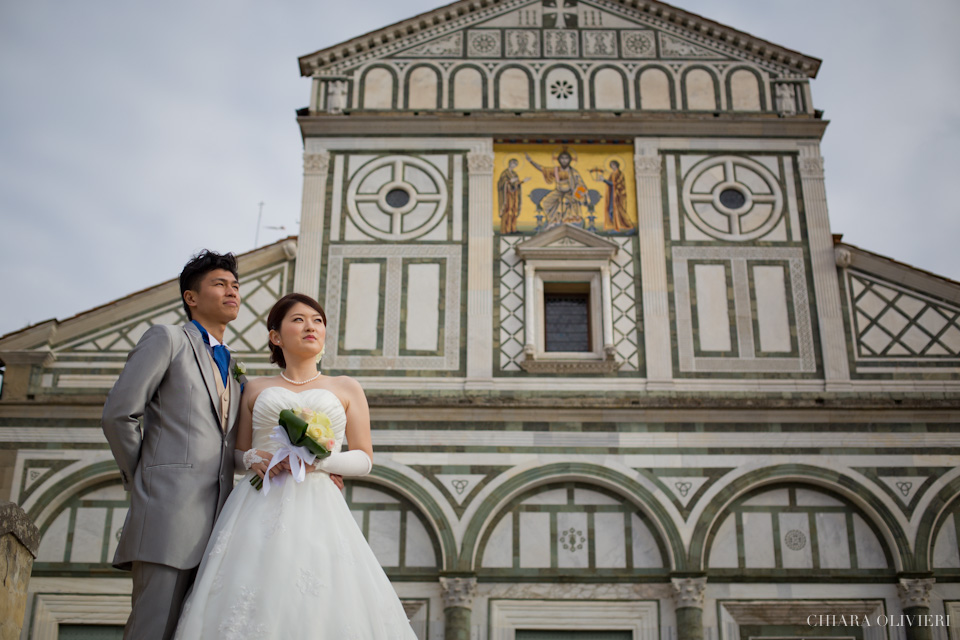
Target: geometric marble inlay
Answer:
[[892, 322]]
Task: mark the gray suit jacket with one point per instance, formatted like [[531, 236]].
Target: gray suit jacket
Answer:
[[162, 420]]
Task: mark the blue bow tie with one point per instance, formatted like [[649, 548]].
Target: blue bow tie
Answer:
[[221, 355]]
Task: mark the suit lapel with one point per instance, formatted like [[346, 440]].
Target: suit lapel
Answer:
[[205, 363], [235, 393]]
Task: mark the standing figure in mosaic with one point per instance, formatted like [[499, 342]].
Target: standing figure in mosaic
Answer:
[[170, 423], [289, 560], [509, 189], [562, 204], [616, 218]]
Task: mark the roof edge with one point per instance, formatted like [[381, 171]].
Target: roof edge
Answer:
[[46, 332], [750, 44]]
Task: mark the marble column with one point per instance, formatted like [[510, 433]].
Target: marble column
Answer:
[[458, 595], [307, 275], [653, 265], [688, 598], [826, 284], [480, 264], [915, 601]]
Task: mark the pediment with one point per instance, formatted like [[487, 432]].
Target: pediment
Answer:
[[579, 30], [566, 242], [111, 330]]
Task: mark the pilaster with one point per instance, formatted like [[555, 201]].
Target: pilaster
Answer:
[[480, 263], [307, 276], [823, 261], [653, 264]]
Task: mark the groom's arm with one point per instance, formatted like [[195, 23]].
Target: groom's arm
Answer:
[[138, 382]]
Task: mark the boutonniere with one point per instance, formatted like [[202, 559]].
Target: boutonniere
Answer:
[[239, 370]]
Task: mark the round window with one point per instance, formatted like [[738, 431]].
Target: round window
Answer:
[[397, 198], [732, 199]]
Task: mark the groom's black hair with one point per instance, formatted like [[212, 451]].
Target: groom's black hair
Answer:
[[200, 265]]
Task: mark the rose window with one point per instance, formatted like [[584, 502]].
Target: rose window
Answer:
[[733, 198], [397, 197], [484, 43], [561, 89], [638, 43]]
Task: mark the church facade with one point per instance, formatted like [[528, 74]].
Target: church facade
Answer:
[[624, 381]]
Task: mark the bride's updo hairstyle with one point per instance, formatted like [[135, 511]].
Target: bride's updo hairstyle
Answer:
[[279, 312]]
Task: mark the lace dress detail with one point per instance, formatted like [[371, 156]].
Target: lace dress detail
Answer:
[[272, 559]]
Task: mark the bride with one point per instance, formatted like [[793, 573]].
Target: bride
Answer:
[[292, 562]]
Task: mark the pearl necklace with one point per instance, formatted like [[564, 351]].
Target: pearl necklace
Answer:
[[302, 382]]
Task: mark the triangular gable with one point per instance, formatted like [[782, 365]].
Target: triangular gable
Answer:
[[111, 330], [898, 313], [567, 242], [574, 29]]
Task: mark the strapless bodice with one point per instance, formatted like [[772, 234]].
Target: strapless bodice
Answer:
[[273, 400]]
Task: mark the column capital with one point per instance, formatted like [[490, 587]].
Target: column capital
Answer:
[[811, 167], [647, 166], [843, 257], [915, 592], [458, 592], [316, 163], [688, 592], [480, 163]]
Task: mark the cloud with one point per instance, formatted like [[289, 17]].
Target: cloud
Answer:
[[135, 134]]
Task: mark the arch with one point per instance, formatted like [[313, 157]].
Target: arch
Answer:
[[513, 87], [655, 89], [378, 87], [598, 475], [553, 94], [700, 90], [934, 517], [780, 519], [608, 88], [409, 489], [623, 541], [465, 92], [745, 90], [422, 87], [873, 508], [48, 504]]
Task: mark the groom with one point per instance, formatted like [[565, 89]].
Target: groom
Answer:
[[169, 420]]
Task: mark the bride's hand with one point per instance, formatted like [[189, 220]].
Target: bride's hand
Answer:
[[337, 480], [261, 467]]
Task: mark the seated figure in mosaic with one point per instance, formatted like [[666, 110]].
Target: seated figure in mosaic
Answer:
[[563, 203]]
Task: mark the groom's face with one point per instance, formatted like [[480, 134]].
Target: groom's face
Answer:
[[216, 299]]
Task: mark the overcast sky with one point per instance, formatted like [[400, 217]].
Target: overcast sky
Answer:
[[133, 134]]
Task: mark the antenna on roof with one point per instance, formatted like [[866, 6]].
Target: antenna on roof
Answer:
[[256, 237]]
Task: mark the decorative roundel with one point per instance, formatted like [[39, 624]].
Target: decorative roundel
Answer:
[[732, 198], [397, 197]]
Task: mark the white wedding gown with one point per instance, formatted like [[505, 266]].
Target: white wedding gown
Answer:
[[293, 563]]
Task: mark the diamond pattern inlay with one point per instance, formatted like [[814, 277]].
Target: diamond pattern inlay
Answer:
[[891, 322], [511, 304], [623, 291]]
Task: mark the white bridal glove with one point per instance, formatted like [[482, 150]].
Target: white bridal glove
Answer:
[[245, 459], [348, 463]]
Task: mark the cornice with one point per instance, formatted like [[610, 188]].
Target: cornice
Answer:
[[580, 125], [458, 14]]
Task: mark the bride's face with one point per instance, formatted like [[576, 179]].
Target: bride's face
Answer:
[[302, 332]]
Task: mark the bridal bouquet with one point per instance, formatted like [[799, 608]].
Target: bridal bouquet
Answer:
[[305, 436]]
